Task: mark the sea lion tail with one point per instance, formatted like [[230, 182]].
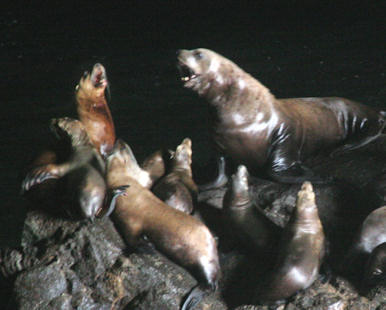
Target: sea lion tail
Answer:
[[193, 297]]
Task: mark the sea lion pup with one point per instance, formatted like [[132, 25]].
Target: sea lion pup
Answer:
[[93, 111], [251, 225], [84, 182], [138, 212], [269, 135], [300, 253], [177, 188], [375, 269]]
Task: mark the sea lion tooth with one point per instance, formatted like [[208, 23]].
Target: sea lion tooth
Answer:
[[271, 136]]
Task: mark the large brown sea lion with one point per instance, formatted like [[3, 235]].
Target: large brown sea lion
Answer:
[[138, 212], [300, 253], [85, 186], [254, 230], [273, 135], [177, 188], [93, 110]]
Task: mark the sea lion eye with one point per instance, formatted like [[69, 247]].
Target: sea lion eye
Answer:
[[377, 272], [198, 55]]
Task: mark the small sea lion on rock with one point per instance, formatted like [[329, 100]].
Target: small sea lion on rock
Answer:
[[270, 135], [154, 164], [84, 182], [177, 188], [93, 110], [249, 223], [300, 252], [138, 212]]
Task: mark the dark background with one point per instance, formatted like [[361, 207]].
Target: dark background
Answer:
[[322, 48]]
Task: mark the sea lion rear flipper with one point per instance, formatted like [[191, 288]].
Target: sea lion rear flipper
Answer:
[[111, 199], [193, 297]]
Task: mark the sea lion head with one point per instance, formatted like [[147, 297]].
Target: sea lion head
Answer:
[[71, 130], [183, 154], [155, 165], [375, 270], [92, 85], [306, 198], [121, 163], [237, 195], [205, 71]]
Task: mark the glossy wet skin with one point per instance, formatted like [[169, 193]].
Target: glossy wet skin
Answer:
[[266, 134], [93, 110], [300, 252], [250, 225]]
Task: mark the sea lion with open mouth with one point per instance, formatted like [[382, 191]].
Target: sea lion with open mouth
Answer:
[[93, 111], [270, 135]]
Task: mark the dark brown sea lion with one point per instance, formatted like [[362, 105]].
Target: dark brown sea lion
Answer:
[[93, 110], [138, 212], [271, 135], [300, 253], [372, 231], [375, 269], [251, 225], [82, 170], [177, 188]]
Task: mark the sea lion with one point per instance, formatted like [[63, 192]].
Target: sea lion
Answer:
[[251, 225], [138, 212], [300, 252], [82, 170], [154, 164], [375, 269], [372, 231], [93, 110], [177, 188], [270, 135]]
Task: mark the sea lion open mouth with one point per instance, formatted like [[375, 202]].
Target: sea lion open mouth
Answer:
[[186, 73], [98, 76]]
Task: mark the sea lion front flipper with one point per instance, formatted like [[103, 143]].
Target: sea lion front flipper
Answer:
[[193, 298], [111, 199], [221, 178], [39, 175]]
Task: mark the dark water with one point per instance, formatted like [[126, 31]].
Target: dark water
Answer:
[[322, 49]]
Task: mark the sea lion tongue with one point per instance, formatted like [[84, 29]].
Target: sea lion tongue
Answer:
[[98, 75]]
